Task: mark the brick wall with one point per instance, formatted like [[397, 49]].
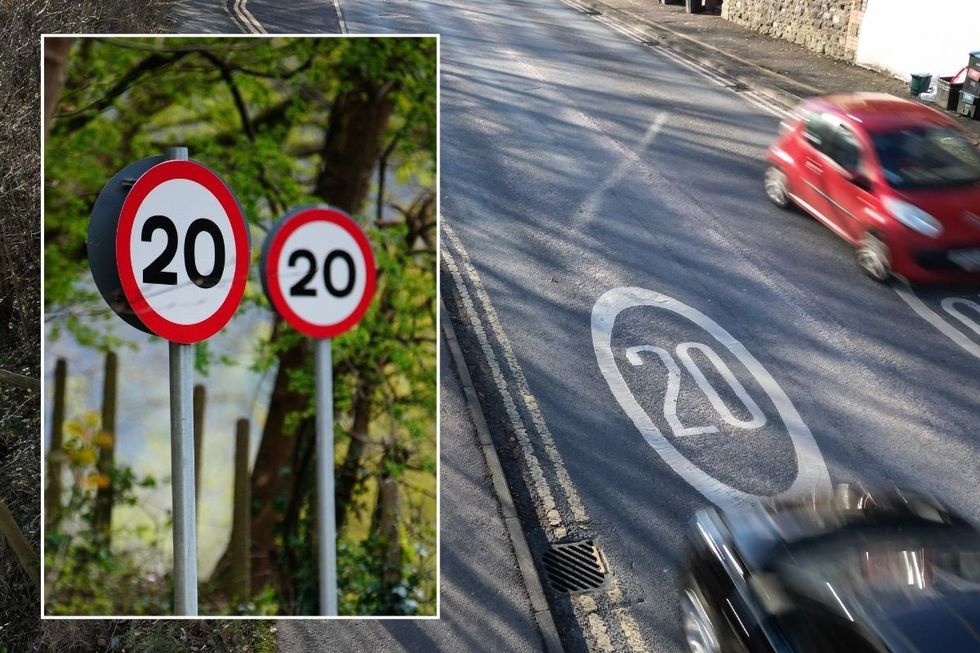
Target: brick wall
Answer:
[[829, 27]]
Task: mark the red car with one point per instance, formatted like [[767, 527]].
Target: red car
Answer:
[[896, 179]]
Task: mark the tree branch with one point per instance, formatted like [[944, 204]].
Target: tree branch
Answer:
[[81, 117], [19, 380]]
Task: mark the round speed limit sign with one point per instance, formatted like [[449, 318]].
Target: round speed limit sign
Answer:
[[180, 251], [318, 271]]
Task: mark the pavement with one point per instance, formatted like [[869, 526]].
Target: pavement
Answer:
[[784, 71], [485, 604]]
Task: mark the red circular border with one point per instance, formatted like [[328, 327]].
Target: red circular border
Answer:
[[161, 326], [270, 264]]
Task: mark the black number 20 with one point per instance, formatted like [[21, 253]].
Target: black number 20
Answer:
[[156, 272], [301, 289]]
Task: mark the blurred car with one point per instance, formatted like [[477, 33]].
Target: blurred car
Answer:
[[862, 571], [896, 179]]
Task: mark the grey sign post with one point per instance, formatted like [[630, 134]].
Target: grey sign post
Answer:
[[326, 515], [142, 218], [182, 463], [318, 272]]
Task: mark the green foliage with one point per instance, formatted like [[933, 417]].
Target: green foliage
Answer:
[[84, 574]]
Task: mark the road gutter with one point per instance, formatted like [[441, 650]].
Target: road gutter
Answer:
[[515, 531]]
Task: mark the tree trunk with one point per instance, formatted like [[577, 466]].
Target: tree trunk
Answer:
[[55, 65], [275, 451], [390, 513], [352, 146], [52, 505], [350, 472], [241, 528], [102, 517]]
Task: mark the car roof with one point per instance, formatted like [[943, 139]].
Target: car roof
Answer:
[[879, 112], [761, 530]]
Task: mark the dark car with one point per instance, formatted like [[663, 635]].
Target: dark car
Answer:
[[884, 571]]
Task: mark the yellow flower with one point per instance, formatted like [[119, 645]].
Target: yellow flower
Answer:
[[103, 439], [91, 419], [74, 428], [96, 480], [83, 455]]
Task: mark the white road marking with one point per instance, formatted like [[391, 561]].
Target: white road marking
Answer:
[[673, 390], [547, 511], [674, 381], [812, 476], [634, 639], [340, 17], [586, 606], [541, 428], [534, 474], [590, 206], [949, 305], [245, 17], [905, 291], [758, 417]]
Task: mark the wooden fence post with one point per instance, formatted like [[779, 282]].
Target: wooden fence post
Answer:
[[102, 523], [22, 549], [241, 530], [52, 499]]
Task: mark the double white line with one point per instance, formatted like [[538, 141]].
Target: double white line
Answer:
[[241, 15], [248, 22]]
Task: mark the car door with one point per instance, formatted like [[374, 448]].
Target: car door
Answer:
[[847, 182], [817, 135]]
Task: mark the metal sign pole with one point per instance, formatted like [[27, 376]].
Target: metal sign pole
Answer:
[[326, 518], [182, 465]]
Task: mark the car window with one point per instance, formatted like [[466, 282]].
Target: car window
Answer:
[[818, 131], [844, 149], [926, 157]]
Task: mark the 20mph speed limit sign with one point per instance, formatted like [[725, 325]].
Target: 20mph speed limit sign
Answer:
[[318, 271], [173, 259]]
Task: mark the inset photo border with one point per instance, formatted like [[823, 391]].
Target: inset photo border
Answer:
[[206, 454]]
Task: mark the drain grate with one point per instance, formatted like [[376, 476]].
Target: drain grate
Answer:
[[576, 567], [590, 11]]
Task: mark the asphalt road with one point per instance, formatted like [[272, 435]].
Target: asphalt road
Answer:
[[577, 161], [257, 17], [605, 234]]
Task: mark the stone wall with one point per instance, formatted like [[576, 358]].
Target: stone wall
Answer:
[[828, 27]]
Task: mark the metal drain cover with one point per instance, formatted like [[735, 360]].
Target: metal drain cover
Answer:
[[576, 567]]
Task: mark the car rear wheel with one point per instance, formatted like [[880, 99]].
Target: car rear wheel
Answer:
[[700, 625], [777, 187], [872, 257]]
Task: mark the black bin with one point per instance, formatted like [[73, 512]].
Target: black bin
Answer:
[[972, 82], [967, 106]]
